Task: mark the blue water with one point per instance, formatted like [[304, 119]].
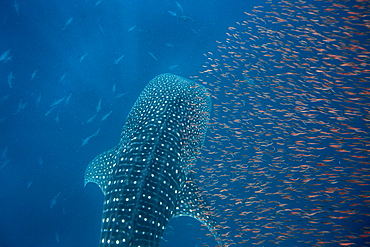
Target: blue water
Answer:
[[59, 59]]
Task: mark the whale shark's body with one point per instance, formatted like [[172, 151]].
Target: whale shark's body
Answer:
[[146, 178]]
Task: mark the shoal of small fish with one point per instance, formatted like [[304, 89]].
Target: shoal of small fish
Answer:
[[287, 156]]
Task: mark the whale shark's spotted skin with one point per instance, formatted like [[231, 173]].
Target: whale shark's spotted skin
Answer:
[[145, 178]]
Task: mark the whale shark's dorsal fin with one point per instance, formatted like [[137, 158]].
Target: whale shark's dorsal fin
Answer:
[[100, 170]]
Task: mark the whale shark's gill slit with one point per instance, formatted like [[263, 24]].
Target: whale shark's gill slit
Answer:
[[145, 178]]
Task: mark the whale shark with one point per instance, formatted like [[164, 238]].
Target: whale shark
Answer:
[[147, 178]]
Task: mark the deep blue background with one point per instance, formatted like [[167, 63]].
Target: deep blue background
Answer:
[[44, 152]]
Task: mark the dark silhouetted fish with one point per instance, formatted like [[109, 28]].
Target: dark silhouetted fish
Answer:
[[146, 178]]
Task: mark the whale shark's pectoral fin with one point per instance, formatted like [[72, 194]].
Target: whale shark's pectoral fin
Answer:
[[100, 169], [190, 202]]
